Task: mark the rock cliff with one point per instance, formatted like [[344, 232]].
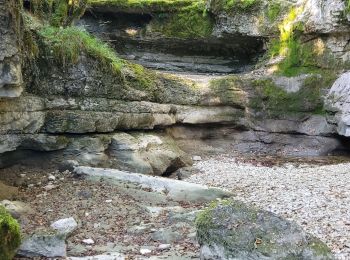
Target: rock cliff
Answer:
[[104, 111]]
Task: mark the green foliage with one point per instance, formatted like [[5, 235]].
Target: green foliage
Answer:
[[67, 44], [347, 3], [10, 237], [58, 12], [298, 57]]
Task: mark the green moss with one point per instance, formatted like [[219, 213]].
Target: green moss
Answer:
[[10, 238], [138, 77], [274, 10], [347, 6], [319, 248], [190, 22], [234, 5], [230, 91], [276, 101], [211, 221], [66, 45]]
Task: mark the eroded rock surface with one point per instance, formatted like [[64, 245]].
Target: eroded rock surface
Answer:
[[10, 60], [232, 230]]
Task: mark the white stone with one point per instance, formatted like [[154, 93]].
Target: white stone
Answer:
[[50, 187], [88, 241], [51, 177], [145, 251], [164, 246], [65, 226], [197, 158]]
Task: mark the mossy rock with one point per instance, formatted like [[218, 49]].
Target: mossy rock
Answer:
[[10, 237], [232, 230]]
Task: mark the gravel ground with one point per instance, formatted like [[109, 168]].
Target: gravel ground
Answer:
[[316, 197]]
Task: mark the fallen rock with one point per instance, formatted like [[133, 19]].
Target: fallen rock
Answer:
[[68, 165], [166, 236], [174, 189], [7, 192], [197, 158], [16, 208], [46, 245], [88, 241], [164, 246], [110, 256], [49, 187], [65, 226], [231, 230], [145, 251]]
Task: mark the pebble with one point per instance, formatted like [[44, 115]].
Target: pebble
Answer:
[[51, 177], [88, 241], [49, 187], [197, 158], [164, 246], [316, 197], [145, 251]]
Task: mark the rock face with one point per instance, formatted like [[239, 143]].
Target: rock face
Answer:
[[338, 102], [10, 61], [43, 245], [231, 230], [137, 123]]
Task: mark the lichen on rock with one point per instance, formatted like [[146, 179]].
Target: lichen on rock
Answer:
[[232, 230]]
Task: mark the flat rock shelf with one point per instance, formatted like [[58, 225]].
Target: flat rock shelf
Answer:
[[316, 197]]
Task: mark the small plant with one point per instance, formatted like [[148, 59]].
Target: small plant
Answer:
[[66, 45], [10, 238]]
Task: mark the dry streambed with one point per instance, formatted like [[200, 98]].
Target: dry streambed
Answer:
[[316, 197]]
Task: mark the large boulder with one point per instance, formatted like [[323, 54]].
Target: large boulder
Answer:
[[338, 102], [232, 230]]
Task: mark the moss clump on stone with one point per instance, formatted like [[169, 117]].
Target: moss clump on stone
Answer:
[[233, 6], [274, 10], [230, 91], [276, 101], [191, 21], [10, 237]]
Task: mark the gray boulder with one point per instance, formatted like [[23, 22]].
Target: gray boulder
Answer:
[[231, 230], [44, 245], [65, 226], [338, 102]]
